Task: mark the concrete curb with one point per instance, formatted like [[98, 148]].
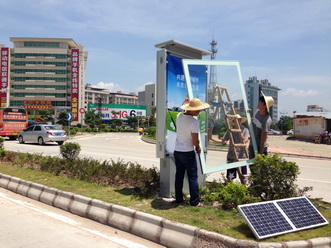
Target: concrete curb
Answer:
[[154, 228]]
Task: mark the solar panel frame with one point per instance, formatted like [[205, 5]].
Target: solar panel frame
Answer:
[[273, 218]]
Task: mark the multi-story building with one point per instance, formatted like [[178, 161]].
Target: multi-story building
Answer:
[[100, 96], [315, 108], [47, 73], [147, 97], [96, 95], [122, 98], [253, 88]]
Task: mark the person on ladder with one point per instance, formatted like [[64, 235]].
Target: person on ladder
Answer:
[[232, 173]]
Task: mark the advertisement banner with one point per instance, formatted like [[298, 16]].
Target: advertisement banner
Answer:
[[118, 111], [177, 96], [4, 75], [74, 83]]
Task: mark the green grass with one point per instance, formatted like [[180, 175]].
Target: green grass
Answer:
[[210, 218]]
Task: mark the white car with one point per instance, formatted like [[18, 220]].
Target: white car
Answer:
[[290, 132], [274, 132], [42, 133]]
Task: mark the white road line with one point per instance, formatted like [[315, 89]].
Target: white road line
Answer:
[[69, 221], [316, 181]]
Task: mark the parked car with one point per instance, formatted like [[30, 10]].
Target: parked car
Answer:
[[290, 132], [274, 132], [42, 133]]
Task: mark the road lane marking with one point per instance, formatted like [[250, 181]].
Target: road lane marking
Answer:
[[71, 222], [312, 180]]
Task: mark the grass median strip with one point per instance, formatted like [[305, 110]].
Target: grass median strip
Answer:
[[210, 218]]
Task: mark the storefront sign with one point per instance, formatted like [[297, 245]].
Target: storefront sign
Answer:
[[37, 104], [74, 83], [4, 75]]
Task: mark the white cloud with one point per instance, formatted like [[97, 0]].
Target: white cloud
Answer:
[[112, 87], [292, 92]]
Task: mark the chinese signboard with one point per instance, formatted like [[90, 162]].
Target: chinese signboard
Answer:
[[37, 104], [4, 75], [74, 83], [118, 111]]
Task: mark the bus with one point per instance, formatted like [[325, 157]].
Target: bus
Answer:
[[12, 121]]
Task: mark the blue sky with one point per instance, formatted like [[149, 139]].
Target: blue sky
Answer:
[[287, 42]]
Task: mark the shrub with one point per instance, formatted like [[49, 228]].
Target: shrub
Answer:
[[228, 195], [273, 177], [2, 140], [234, 194], [70, 150], [151, 131]]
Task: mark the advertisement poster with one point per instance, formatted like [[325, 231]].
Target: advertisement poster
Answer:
[[177, 96], [118, 111]]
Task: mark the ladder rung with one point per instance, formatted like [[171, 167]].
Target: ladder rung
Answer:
[[239, 145], [235, 130], [242, 159], [231, 116]]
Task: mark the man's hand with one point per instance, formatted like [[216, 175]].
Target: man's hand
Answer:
[[198, 149], [195, 141]]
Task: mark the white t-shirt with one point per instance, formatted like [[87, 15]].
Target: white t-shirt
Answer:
[[185, 125]]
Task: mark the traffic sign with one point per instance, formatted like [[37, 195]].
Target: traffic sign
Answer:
[[69, 116], [82, 111]]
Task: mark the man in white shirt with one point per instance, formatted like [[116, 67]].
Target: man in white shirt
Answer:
[[187, 141]]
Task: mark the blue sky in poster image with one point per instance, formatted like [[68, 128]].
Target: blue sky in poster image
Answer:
[[176, 85], [287, 42]]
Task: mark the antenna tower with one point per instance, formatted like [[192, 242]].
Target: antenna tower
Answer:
[[213, 74]]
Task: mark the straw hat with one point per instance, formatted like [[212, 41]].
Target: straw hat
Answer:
[[243, 119], [269, 101], [195, 104]]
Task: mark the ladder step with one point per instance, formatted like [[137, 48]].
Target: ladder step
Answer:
[[242, 159], [231, 116], [239, 145], [235, 130]]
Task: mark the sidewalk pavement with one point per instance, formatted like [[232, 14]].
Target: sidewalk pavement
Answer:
[[293, 152], [157, 229]]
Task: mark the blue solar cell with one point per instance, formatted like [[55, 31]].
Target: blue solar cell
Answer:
[[301, 212], [267, 219]]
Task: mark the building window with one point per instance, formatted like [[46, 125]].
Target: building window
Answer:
[[41, 44]]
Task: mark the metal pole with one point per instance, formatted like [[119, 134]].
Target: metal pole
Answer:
[[68, 129]]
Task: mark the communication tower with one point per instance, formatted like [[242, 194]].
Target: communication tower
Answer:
[[213, 73]]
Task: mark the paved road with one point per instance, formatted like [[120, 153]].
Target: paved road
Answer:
[[29, 223], [129, 147]]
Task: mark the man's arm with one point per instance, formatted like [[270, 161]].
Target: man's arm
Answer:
[[196, 142], [264, 136]]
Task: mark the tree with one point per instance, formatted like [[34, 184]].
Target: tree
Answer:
[[285, 123], [92, 118], [132, 121], [116, 123], [63, 118], [46, 115], [153, 110]]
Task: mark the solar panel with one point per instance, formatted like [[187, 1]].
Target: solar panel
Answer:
[[272, 218]]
